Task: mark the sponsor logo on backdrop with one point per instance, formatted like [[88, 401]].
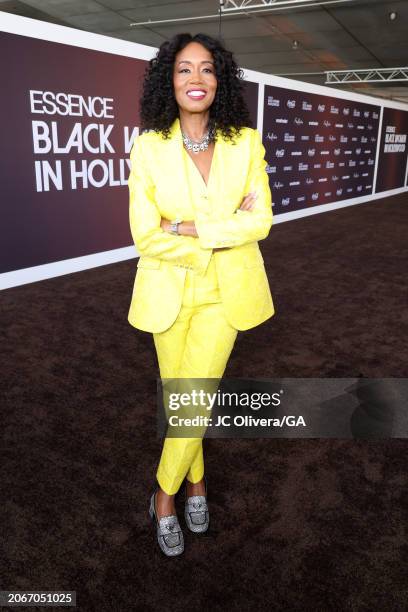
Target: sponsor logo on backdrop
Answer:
[[394, 143]]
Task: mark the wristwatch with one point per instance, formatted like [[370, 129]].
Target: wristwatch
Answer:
[[174, 226]]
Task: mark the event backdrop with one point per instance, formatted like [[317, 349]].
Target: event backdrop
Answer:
[[322, 148], [70, 114], [392, 161], [71, 117]]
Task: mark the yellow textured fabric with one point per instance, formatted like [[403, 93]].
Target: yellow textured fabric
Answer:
[[197, 345], [158, 188], [194, 299]]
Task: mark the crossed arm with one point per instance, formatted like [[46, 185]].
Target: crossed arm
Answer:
[[250, 222], [188, 228]]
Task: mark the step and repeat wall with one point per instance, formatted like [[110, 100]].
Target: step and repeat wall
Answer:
[[325, 150], [70, 113]]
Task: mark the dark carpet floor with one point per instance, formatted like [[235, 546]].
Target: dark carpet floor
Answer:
[[318, 524]]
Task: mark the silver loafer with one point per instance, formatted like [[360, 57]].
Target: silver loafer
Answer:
[[169, 534], [196, 511]]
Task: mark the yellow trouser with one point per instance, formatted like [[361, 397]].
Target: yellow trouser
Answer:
[[197, 345]]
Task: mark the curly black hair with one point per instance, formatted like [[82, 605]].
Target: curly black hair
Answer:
[[158, 105]]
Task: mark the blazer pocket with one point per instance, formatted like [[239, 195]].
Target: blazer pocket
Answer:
[[148, 262]]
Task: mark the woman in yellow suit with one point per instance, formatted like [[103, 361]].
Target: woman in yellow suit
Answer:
[[199, 203]]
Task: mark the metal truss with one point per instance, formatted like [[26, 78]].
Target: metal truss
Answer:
[[373, 75], [247, 7], [232, 6]]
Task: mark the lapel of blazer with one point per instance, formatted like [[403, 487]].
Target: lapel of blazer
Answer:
[[174, 188]]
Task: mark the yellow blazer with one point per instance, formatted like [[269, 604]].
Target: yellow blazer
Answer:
[[158, 187]]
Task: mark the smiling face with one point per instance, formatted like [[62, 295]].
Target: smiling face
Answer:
[[194, 79]]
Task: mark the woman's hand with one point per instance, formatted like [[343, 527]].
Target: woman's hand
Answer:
[[185, 228], [165, 224], [248, 201]]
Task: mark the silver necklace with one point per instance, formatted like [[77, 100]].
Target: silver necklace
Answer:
[[200, 145]]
